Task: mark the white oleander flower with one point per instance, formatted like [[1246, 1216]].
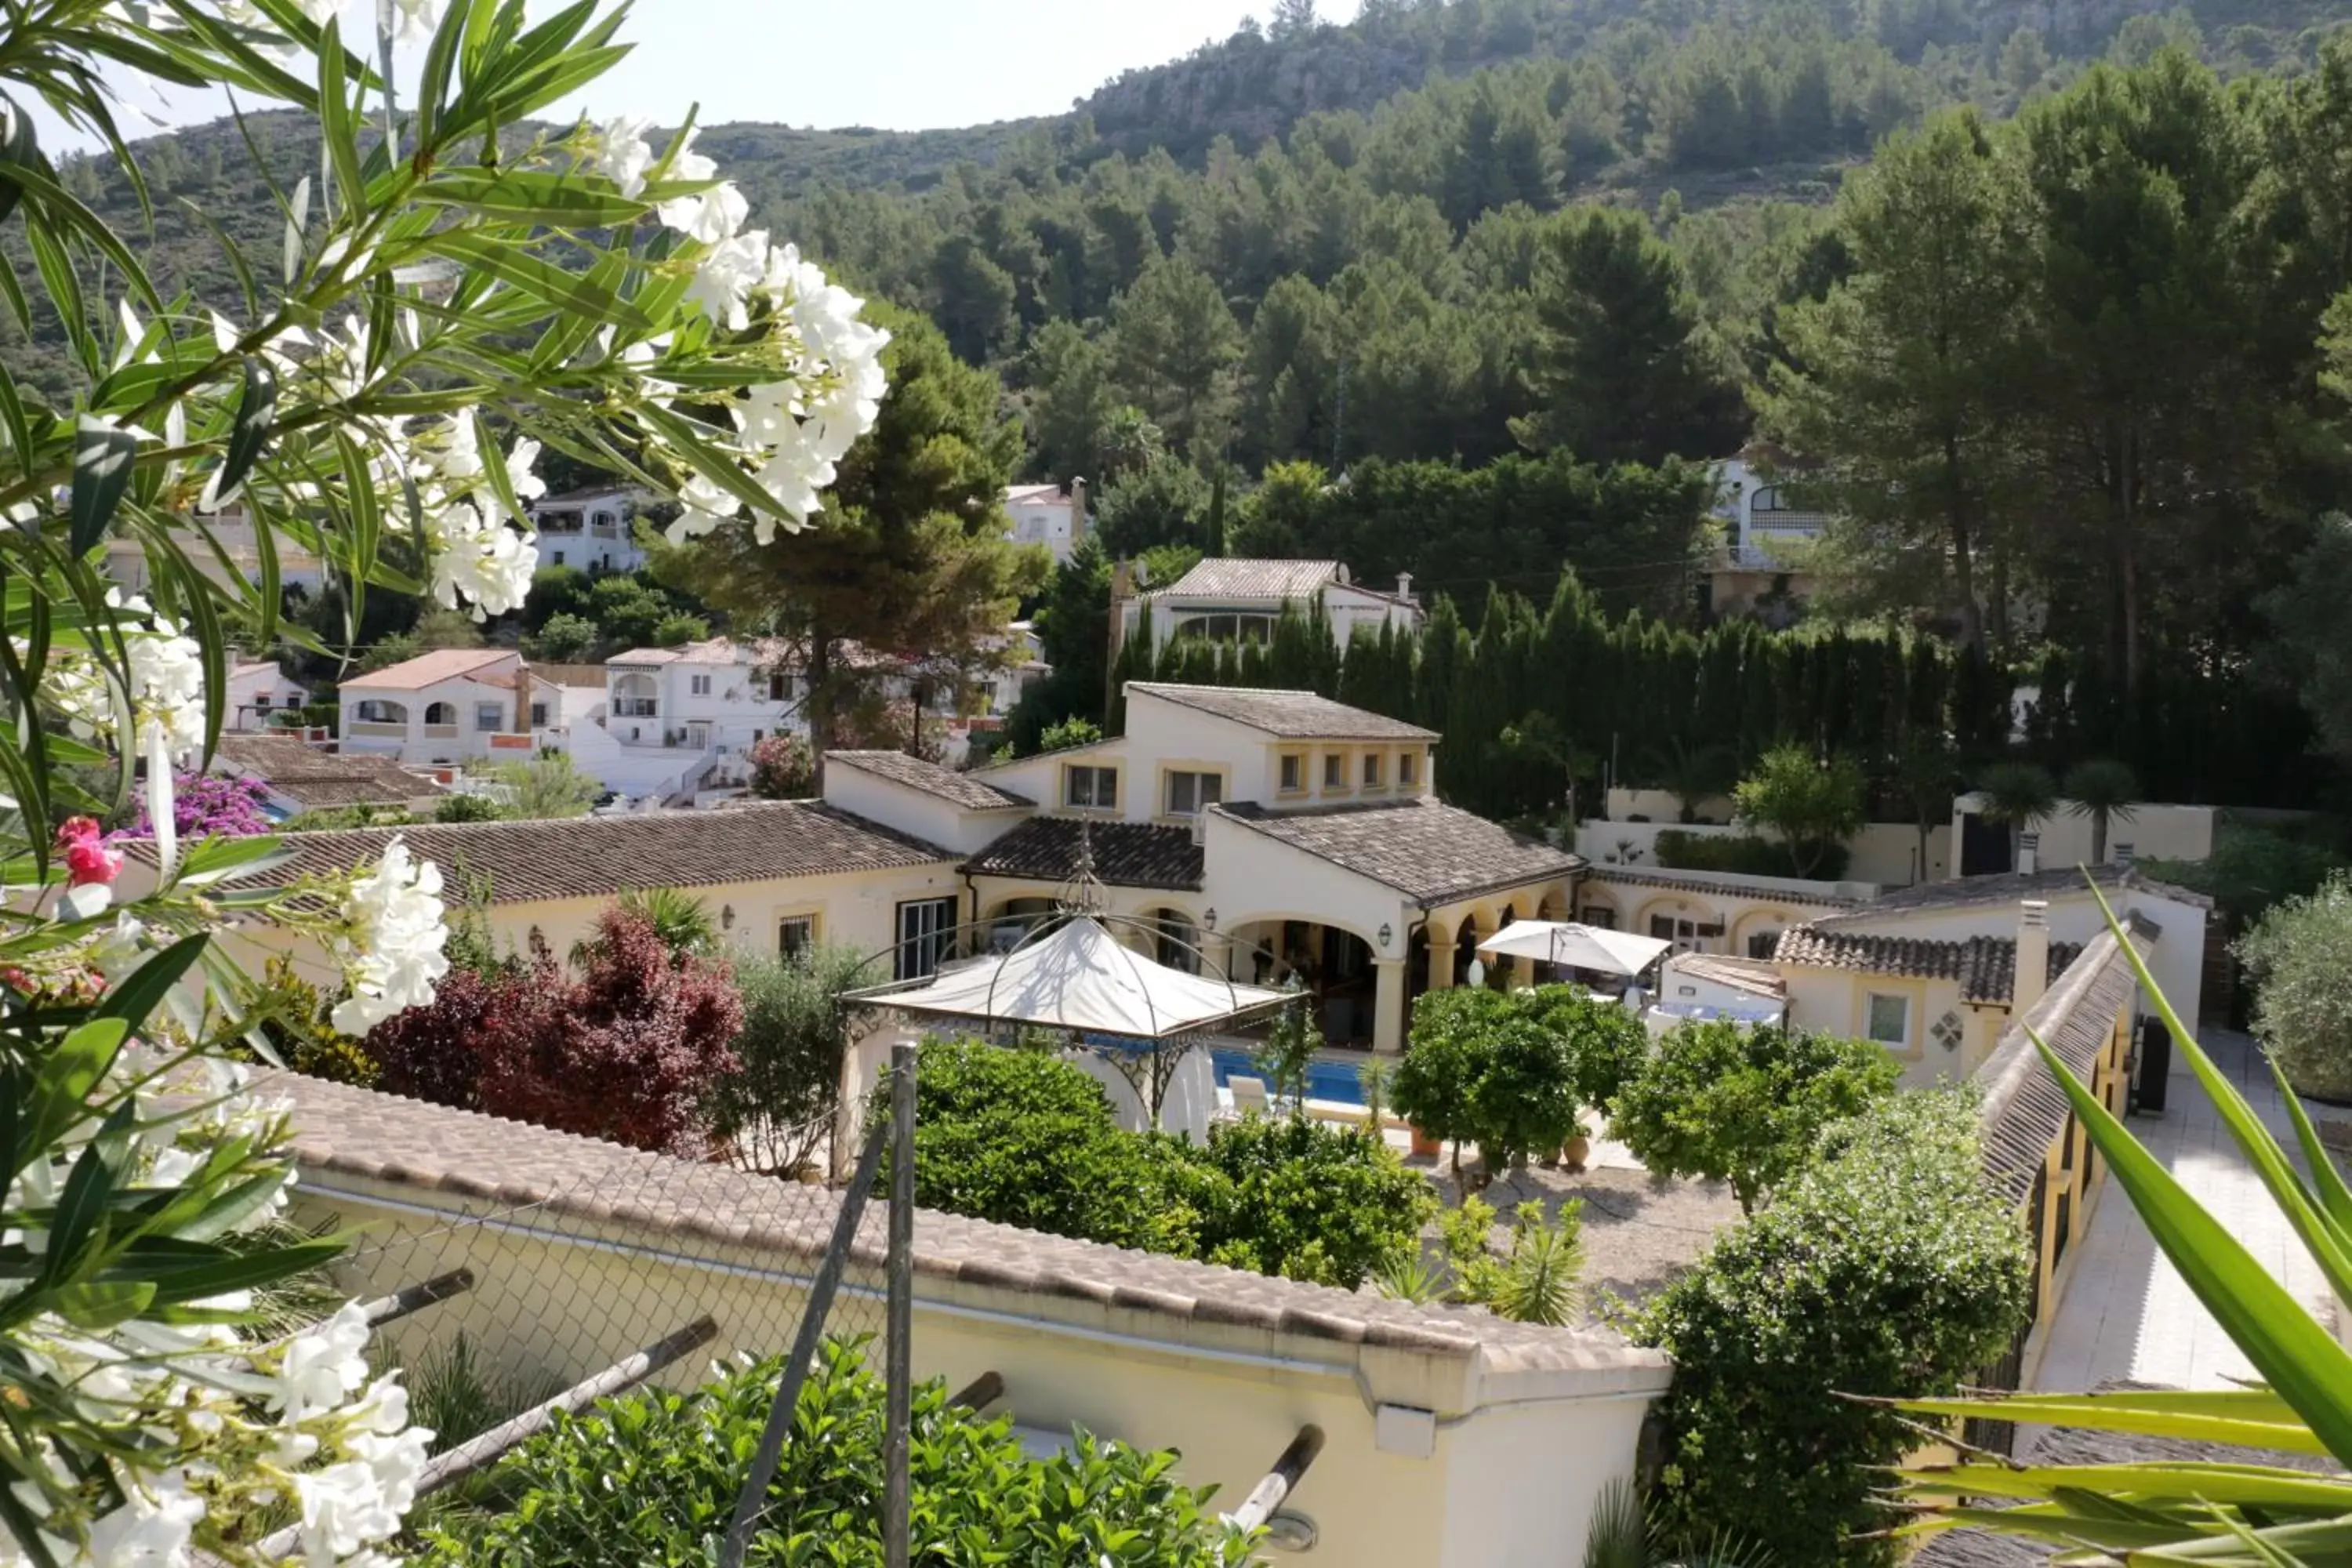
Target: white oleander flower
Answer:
[[344, 1510], [151, 1528], [392, 940], [418, 20], [322, 1366], [621, 154], [478, 562]]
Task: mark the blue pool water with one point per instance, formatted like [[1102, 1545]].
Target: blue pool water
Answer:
[[1334, 1080]]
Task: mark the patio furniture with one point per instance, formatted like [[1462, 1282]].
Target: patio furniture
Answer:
[[1249, 1094]]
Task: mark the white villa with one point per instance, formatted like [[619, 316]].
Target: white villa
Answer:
[[258, 692], [1765, 536], [593, 530], [1052, 515], [448, 706], [1242, 599]]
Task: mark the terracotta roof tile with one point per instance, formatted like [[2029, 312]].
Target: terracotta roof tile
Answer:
[[310, 777], [1228, 578], [945, 783], [1123, 854], [594, 857], [2024, 1108], [1721, 882], [380, 1136], [430, 669], [1291, 715], [1425, 849], [1986, 966]]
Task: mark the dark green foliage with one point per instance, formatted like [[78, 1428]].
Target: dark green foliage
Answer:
[[1743, 1105], [2251, 870], [651, 1478], [1888, 1269], [1508, 1070], [1305, 1201], [1023, 1138], [779, 1103], [1744, 853], [469, 808]]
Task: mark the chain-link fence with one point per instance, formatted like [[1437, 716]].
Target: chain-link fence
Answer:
[[632, 1283]]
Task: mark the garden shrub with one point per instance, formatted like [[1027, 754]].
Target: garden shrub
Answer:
[[2251, 870], [1744, 1104], [1746, 853], [2300, 958], [469, 808], [1508, 1069], [780, 1101], [651, 1478], [1888, 1267], [1436, 1084], [1305, 1201], [626, 1049], [1023, 1138]]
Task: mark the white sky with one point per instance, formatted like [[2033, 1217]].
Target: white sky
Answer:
[[902, 65]]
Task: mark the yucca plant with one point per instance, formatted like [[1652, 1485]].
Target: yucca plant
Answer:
[[2176, 1511]]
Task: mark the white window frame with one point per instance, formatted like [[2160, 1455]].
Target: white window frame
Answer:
[[1096, 777], [488, 717], [698, 685], [1870, 1001], [1204, 789], [925, 927]]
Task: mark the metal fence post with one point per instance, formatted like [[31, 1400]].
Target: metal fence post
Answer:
[[899, 1332]]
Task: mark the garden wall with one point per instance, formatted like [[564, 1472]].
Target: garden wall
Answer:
[[1453, 1439]]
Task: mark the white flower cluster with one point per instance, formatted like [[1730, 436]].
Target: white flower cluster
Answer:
[[478, 561], [230, 1427], [167, 685], [788, 433], [390, 938]]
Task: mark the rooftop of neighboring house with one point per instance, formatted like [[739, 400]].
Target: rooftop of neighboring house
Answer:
[[1117, 854], [432, 669], [595, 857], [1986, 966], [343, 1131], [2011, 888], [956, 789], [260, 665], [583, 674], [581, 497], [763, 653], [1287, 715], [1431, 852], [1778, 889], [1035, 495], [1244, 578], [1753, 975], [319, 779]]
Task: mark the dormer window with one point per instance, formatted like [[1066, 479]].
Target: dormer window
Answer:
[[1090, 788]]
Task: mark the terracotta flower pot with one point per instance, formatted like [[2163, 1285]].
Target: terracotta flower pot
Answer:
[[1575, 1151], [1423, 1144]]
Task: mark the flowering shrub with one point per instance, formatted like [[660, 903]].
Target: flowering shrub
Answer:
[[783, 768], [208, 804], [628, 1049], [651, 1478], [434, 311]]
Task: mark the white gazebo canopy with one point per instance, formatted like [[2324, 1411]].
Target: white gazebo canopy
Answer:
[[1577, 946], [1078, 976]]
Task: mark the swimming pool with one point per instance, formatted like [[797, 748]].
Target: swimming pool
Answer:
[[1326, 1079]]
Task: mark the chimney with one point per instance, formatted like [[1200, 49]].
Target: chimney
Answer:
[[1404, 586], [1078, 510], [2028, 853], [2033, 976]]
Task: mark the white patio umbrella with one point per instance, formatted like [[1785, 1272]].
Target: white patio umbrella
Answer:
[[1577, 946], [1079, 977]]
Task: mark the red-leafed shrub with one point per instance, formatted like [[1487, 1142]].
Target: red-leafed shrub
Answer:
[[624, 1050]]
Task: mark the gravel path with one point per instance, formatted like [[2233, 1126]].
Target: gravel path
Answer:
[[1639, 1234]]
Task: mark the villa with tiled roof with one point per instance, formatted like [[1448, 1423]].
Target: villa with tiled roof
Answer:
[[1240, 600]]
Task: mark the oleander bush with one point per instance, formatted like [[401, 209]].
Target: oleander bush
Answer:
[[651, 1478], [1886, 1268]]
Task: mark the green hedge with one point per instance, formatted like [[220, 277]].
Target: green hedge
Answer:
[[1888, 1267], [652, 1478], [1023, 1138], [1746, 854]]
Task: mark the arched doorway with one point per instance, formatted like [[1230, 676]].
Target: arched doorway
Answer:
[[1330, 962]]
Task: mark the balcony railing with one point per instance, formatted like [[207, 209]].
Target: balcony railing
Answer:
[[635, 708], [440, 731]]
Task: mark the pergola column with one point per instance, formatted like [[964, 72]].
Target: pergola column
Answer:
[[1388, 1004]]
